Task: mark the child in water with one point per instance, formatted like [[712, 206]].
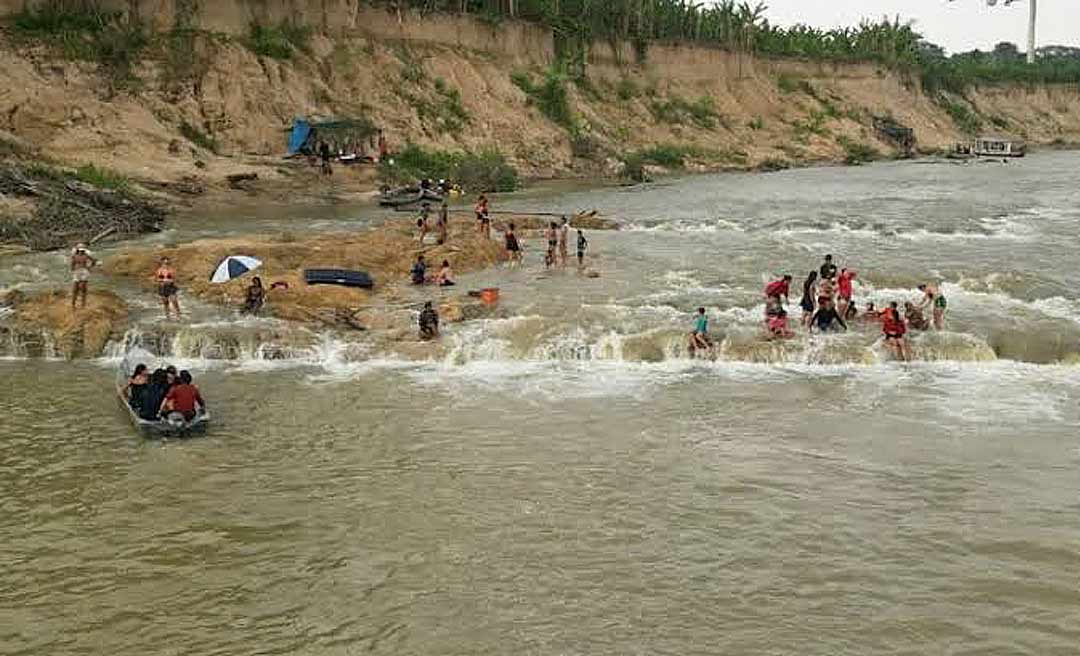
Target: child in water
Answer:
[[778, 326]]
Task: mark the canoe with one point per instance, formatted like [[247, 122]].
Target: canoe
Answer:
[[173, 425], [342, 277]]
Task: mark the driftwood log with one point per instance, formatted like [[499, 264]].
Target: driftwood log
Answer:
[[68, 211]]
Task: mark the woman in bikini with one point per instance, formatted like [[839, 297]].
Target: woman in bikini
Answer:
[[165, 277]]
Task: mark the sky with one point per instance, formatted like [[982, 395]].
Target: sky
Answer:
[[957, 26]]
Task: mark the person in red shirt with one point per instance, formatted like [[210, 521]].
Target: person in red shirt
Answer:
[[892, 326], [844, 289], [183, 397], [778, 288]]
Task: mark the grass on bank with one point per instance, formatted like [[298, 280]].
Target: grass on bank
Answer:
[[484, 171], [550, 96], [279, 40]]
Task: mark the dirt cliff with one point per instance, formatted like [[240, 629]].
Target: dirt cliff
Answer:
[[199, 103]]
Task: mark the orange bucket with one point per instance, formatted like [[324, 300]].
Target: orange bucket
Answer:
[[489, 295]]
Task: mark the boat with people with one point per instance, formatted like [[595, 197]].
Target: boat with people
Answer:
[[161, 404]]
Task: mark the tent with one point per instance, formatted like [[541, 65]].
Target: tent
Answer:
[[301, 131], [341, 134]]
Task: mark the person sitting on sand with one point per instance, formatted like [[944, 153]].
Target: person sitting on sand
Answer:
[[429, 322], [699, 338], [778, 326], [914, 317], [255, 297], [165, 277], [827, 319], [184, 398], [419, 271], [892, 326], [81, 263], [445, 277]]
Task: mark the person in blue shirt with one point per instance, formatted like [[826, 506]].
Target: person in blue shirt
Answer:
[[419, 271], [699, 339]]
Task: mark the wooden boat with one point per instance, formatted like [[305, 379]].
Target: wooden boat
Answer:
[[173, 425]]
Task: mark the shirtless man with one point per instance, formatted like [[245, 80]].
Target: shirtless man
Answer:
[[934, 299], [165, 277], [81, 263]]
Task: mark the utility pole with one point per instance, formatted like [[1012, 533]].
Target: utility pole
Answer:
[[1031, 32]]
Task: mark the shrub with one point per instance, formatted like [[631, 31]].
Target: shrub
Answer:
[[486, 170], [670, 156], [857, 153], [583, 144], [102, 178], [678, 111], [198, 137], [627, 89], [961, 114], [756, 123], [278, 41], [550, 96]]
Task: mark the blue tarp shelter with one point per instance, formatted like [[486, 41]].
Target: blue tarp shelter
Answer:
[[301, 130]]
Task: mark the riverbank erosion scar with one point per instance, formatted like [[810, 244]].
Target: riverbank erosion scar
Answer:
[[386, 252]]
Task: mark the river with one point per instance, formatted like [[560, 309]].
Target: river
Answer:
[[563, 479]]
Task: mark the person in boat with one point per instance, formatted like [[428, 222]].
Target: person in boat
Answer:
[[429, 322], [892, 326], [844, 289], [914, 317], [419, 271], [422, 225], [936, 301], [154, 395], [134, 391], [255, 297], [442, 225], [513, 246], [171, 375], [699, 338], [165, 277], [779, 290], [183, 397], [445, 277], [778, 326], [827, 319], [582, 247], [81, 263], [828, 269], [564, 238], [809, 298]]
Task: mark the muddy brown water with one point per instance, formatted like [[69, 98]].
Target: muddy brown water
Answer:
[[563, 480]]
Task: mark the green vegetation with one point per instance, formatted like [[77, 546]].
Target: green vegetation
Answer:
[[278, 41], [856, 152], [550, 96], [679, 111], [487, 170], [965, 118], [85, 32], [740, 26], [756, 123], [669, 156], [198, 137], [102, 178], [446, 111], [627, 89]]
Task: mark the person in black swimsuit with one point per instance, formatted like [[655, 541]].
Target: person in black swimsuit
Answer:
[[827, 319]]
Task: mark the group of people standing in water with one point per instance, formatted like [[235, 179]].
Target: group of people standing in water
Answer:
[[828, 306]]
